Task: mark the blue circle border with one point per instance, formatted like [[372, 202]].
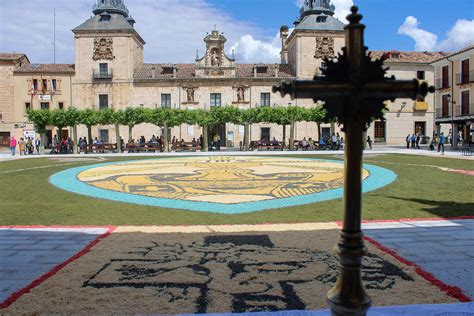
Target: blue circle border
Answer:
[[68, 181]]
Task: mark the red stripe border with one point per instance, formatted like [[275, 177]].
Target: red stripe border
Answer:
[[452, 291], [12, 298]]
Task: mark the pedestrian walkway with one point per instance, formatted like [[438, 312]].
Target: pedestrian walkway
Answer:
[[27, 254], [444, 248]]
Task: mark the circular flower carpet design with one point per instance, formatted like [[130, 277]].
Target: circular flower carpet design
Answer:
[[224, 184]]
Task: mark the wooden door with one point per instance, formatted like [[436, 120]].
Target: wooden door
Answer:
[[465, 71], [445, 78], [465, 103], [445, 106]]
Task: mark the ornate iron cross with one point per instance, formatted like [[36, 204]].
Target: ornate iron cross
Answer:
[[354, 89]]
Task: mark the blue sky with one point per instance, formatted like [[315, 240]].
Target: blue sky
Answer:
[[174, 29]]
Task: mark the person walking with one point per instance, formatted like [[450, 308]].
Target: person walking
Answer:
[[13, 143], [369, 141], [417, 141], [37, 145], [442, 141], [408, 140], [413, 141]]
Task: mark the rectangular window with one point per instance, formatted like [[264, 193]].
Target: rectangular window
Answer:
[[216, 99], [104, 135], [265, 135], [465, 103], [103, 68], [265, 99], [61, 105], [45, 85], [27, 106], [445, 106], [420, 75], [54, 85], [44, 105], [5, 139], [379, 132], [445, 77], [35, 84], [165, 101], [103, 101], [465, 71]]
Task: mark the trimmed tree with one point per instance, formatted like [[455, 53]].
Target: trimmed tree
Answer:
[[73, 117], [40, 119], [89, 118], [130, 117]]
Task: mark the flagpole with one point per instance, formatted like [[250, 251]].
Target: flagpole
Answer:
[[54, 35]]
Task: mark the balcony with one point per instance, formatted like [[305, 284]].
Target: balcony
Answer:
[[464, 110], [442, 84], [443, 113], [465, 77], [102, 75]]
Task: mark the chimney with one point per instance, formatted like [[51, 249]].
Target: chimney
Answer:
[[277, 69], [284, 30], [174, 71], [255, 71]]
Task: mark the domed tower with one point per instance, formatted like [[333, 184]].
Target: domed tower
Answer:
[[317, 34], [108, 48]]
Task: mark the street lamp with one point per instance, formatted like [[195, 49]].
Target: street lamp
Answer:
[[452, 118]]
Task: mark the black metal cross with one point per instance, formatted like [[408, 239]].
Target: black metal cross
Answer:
[[353, 89]]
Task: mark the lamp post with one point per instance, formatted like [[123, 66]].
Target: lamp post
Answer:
[[453, 139]]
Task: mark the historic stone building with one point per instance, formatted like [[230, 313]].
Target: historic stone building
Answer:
[[454, 94], [109, 71]]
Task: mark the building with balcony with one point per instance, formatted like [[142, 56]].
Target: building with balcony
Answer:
[[454, 102], [109, 71]]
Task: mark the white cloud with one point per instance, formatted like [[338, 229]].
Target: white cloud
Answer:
[[248, 49], [458, 37], [342, 8], [424, 40], [173, 29]]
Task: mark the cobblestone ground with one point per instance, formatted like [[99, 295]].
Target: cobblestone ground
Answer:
[[26, 254], [443, 248]]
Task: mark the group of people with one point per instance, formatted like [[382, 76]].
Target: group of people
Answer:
[[26, 147], [413, 141], [62, 146]]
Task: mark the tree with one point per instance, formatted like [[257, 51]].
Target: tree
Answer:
[[293, 114], [89, 118], [41, 119], [73, 117], [166, 118], [204, 119], [247, 117], [59, 119], [130, 117], [318, 115]]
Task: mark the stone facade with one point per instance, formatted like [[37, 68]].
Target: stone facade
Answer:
[[8, 120], [109, 71], [454, 97]]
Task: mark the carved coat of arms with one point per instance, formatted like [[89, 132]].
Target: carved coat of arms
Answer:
[[103, 49], [324, 47]]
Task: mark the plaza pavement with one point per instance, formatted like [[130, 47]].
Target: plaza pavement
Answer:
[[377, 150], [442, 251]]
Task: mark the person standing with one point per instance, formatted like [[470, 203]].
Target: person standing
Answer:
[[13, 143], [442, 141], [417, 141], [21, 146], [37, 145], [408, 139]]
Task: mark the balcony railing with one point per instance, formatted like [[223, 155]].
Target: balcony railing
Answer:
[[442, 84], [465, 77], [102, 74], [464, 110], [443, 113]]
